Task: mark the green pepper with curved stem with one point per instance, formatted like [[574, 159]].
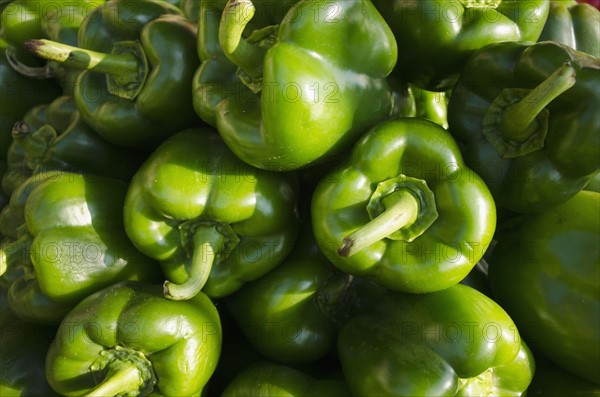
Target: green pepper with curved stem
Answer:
[[24, 348], [212, 221], [137, 60], [128, 340], [574, 24], [545, 272], [291, 314], [265, 379], [436, 37], [53, 137], [403, 210], [71, 243], [216, 77], [528, 116], [455, 342], [301, 116]]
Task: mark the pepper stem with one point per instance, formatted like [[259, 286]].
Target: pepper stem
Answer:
[[83, 59], [38, 73], [518, 121], [401, 210], [208, 243], [34, 143], [248, 57], [127, 378]]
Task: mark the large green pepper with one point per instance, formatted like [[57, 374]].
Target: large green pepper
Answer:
[[141, 60], [528, 115], [455, 342], [271, 380], [403, 210], [545, 272], [436, 37], [291, 314], [70, 243], [212, 221], [305, 114], [128, 340], [53, 137], [216, 77], [574, 24], [23, 348]]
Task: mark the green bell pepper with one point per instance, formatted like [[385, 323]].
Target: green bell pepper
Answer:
[[301, 115], [574, 24], [403, 210], [265, 379], [216, 77], [70, 243], [128, 340], [137, 61], [528, 116], [23, 348], [53, 137], [545, 271], [291, 314], [17, 95], [436, 37], [25, 20], [455, 342], [212, 221]]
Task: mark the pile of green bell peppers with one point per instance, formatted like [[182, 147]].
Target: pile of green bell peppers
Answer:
[[299, 198]]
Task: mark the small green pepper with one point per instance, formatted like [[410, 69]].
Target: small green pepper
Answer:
[[212, 221], [403, 210], [128, 340]]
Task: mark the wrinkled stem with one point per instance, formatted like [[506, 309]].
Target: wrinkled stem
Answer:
[[84, 59], [38, 73], [402, 209], [247, 56], [128, 378], [519, 120], [208, 243]]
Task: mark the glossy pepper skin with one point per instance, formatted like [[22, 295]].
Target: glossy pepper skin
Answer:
[[308, 114], [24, 348], [212, 221], [545, 272], [70, 243], [54, 137], [24, 20], [436, 37], [574, 24], [291, 314], [455, 342], [128, 339], [527, 114], [19, 94], [403, 210], [216, 77], [266, 379], [140, 93]]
